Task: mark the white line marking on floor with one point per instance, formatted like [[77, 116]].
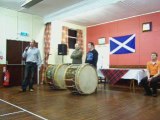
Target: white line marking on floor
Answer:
[[11, 113], [24, 110]]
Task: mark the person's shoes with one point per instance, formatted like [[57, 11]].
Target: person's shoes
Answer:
[[31, 90], [22, 90], [154, 95], [147, 94]]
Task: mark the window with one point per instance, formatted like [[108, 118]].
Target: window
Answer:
[[72, 38], [72, 33]]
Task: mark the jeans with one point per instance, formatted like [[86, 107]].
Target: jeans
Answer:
[[29, 74], [153, 84]]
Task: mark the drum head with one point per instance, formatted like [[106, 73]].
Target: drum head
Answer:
[[87, 79], [50, 71], [59, 76]]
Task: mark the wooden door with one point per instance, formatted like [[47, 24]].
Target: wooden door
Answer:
[[14, 52], [15, 63]]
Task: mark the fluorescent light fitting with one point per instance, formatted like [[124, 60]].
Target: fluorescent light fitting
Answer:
[[30, 3]]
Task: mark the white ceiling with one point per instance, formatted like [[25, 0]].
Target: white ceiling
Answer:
[[85, 12]]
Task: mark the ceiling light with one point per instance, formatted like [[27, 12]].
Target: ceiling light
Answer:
[[30, 3]]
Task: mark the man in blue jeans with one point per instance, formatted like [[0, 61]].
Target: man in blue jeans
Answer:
[[33, 59], [153, 76]]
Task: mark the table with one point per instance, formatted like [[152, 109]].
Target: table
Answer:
[[115, 74], [136, 74]]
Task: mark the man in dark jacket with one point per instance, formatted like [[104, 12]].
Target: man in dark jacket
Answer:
[[76, 56], [92, 55]]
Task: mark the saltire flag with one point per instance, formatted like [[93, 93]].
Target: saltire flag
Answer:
[[122, 44]]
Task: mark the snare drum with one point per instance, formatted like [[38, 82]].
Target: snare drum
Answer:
[[55, 75], [82, 79]]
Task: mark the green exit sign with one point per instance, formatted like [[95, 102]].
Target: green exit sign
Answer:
[[24, 34]]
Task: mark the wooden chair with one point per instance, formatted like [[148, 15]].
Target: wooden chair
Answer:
[[103, 80]]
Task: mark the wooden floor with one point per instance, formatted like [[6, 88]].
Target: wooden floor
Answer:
[[112, 103]]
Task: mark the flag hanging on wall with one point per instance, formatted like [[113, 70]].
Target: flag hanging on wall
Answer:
[[122, 44]]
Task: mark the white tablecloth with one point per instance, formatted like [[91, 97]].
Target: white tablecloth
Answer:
[[99, 73], [136, 74], [133, 74]]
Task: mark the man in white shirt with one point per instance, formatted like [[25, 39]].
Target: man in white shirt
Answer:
[[33, 59]]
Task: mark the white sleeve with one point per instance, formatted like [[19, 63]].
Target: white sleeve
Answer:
[[24, 55]]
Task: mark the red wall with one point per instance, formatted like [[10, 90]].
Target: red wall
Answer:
[[146, 42]]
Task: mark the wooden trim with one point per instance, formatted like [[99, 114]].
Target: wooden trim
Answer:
[[127, 66]]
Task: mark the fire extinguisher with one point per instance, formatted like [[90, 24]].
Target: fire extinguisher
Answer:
[[6, 78]]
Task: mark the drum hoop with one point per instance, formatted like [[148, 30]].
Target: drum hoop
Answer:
[[77, 80], [45, 76], [66, 72], [78, 73], [77, 77], [55, 73]]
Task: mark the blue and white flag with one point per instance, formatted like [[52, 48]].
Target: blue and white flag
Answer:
[[122, 44]]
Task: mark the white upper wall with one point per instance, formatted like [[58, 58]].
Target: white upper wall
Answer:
[[13, 22], [56, 38]]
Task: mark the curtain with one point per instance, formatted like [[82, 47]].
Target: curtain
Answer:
[[47, 39], [65, 36], [80, 38]]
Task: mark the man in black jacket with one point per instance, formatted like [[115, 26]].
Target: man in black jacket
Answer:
[[92, 55]]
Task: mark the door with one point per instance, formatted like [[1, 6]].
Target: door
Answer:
[[103, 56], [15, 63], [14, 52]]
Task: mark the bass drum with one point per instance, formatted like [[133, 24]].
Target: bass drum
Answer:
[[55, 76], [82, 79]]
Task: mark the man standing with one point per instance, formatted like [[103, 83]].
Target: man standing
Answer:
[[92, 55], [153, 76], [76, 56], [33, 59]]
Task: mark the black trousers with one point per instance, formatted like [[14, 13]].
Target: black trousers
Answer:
[[29, 74], [152, 84]]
